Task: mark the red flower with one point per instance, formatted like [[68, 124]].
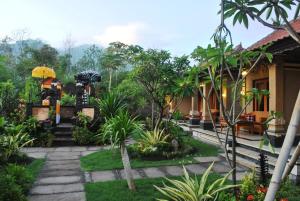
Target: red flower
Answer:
[[250, 198], [284, 199]]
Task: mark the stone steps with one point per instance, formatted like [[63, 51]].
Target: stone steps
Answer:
[[63, 135], [250, 159]]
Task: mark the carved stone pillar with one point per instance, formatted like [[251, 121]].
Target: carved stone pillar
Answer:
[[194, 113], [206, 122], [276, 128]]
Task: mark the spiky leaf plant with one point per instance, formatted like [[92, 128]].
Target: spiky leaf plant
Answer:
[[111, 104], [196, 189], [117, 129], [151, 140]]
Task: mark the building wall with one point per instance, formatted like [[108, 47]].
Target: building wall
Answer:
[[185, 106], [291, 89], [260, 73]]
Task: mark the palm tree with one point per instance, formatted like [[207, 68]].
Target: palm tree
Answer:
[[117, 129]]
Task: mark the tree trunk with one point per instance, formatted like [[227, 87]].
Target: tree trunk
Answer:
[[152, 114], [127, 167], [284, 152], [292, 163], [110, 78], [160, 116], [234, 159]]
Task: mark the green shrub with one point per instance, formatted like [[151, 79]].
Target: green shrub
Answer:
[[83, 120], [83, 136], [194, 188], [177, 115], [152, 141], [9, 190], [248, 186], [111, 104], [175, 132], [118, 128], [11, 144], [67, 99], [3, 123], [8, 98], [21, 175]]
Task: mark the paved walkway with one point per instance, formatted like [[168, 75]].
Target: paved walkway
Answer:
[[220, 167], [61, 178]]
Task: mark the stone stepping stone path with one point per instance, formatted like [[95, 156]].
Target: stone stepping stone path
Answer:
[[220, 167], [61, 178]]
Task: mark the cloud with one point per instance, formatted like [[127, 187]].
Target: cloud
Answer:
[[128, 34]]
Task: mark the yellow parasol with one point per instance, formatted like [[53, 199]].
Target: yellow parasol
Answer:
[[43, 72]]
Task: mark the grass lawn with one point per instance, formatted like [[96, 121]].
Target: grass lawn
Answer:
[[35, 167], [111, 159], [118, 190]]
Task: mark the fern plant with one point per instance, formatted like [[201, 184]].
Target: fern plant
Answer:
[[194, 189]]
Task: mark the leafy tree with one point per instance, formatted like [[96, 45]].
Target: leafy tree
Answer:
[[64, 68], [217, 63], [134, 95], [46, 55], [160, 76], [5, 74], [272, 14], [8, 98], [90, 59], [113, 59]]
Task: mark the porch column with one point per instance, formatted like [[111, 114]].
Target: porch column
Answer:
[[206, 122], [194, 113], [276, 128]]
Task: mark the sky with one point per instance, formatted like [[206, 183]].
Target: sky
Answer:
[[175, 25]]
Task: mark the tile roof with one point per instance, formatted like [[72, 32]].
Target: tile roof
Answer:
[[276, 35]]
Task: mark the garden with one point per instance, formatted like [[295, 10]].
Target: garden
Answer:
[[123, 100]]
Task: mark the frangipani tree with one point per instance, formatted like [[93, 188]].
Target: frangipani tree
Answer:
[[270, 13], [222, 66]]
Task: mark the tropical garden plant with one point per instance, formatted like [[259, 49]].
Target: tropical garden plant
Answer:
[[111, 104], [8, 98], [277, 15], [113, 59], [11, 143], [67, 99], [117, 129], [272, 14], [152, 141], [195, 189], [81, 133]]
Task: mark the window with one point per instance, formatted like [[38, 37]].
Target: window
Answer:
[[263, 104]]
